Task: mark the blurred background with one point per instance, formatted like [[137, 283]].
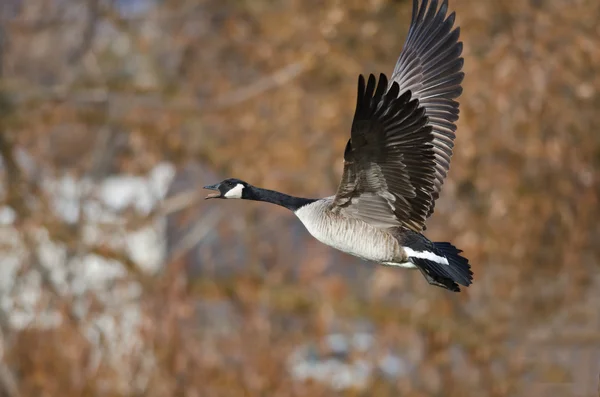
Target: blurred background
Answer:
[[117, 279]]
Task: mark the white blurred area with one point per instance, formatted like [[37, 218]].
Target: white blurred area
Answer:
[[97, 208]]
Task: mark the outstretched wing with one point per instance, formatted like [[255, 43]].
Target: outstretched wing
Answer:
[[389, 165], [403, 130], [430, 67]]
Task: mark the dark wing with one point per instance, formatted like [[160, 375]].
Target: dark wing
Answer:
[[430, 67], [389, 162]]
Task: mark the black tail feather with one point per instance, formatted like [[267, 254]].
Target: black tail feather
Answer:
[[459, 264], [444, 275]]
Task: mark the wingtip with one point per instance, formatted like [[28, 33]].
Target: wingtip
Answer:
[[361, 83], [383, 77], [451, 19], [443, 8]]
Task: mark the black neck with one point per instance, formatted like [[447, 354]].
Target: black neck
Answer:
[[270, 196]]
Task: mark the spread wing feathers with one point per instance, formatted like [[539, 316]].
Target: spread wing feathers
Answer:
[[430, 67], [389, 161]]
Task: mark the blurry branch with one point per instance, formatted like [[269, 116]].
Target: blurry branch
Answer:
[[2, 43], [123, 103], [7, 379], [88, 34], [13, 172], [179, 202], [28, 237], [122, 22], [277, 79], [103, 153], [36, 24], [118, 256], [200, 230], [155, 101], [97, 10]]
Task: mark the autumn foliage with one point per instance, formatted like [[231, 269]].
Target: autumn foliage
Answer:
[[118, 280]]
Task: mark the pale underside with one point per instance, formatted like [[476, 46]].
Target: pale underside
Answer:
[[352, 235]]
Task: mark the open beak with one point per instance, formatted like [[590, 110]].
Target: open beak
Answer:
[[213, 195]]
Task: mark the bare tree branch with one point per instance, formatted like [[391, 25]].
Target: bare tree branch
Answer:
[[272, 81], [8, 381], [88, 34], [179, 202], [200, 230], [156, 101]]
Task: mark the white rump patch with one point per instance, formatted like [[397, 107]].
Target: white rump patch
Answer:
[[426, 255], [236, 192]]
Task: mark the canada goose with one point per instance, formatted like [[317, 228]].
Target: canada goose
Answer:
[[395, 161]]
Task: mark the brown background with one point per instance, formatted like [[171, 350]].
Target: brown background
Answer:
[[265, 91]]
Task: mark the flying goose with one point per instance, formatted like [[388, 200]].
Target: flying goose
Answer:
[[395, 161]]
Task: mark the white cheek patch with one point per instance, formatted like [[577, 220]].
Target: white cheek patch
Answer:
[[236, 192]]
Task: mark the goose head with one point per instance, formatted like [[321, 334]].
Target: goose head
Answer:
[[228, 189]]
